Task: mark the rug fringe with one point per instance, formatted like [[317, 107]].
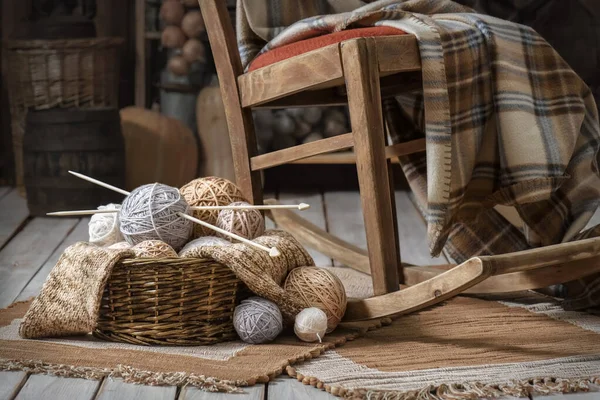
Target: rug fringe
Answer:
[[461, 391], [127, 374]]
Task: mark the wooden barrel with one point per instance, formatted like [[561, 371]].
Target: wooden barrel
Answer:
[[88, 141]]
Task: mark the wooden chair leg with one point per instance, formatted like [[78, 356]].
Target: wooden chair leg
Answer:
[[359, 58], [239, 120]]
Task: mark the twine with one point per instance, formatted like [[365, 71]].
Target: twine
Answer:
[[154, 249], [246, 223], [257, 320], [104, 228], [310, 325], [150, 212], [210, 191], [190, 249], [317, 287]]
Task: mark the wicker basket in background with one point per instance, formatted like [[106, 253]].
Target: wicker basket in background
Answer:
[[81, 73], [170, 301]]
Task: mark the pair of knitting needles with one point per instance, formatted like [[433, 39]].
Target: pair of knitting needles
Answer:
[[273, 252]]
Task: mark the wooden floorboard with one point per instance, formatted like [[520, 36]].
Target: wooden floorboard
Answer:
[[23, 256], [10, 383], [291, 389], [414, 246], [78, 234], [4, 190], [13, 212], [269, 224], [116, 389], [256, 392], [315, 214], [48, 387], [344, 218]]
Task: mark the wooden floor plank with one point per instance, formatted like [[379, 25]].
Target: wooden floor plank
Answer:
[[269, 224], [53, 387], [10, 383], [116, 389], [292, 389], [27, 252], [4, 190], [344, 217], [80, 233], [256, 392], [595, 220], [13, 212], [414, 246], [314, 214]]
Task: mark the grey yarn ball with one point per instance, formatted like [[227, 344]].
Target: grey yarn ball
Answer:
[[257, 320], [150, 212]]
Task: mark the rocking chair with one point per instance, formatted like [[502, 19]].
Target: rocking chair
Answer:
[[360, 72]]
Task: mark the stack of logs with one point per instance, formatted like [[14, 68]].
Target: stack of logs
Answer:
[[279, 129], [183, 26]]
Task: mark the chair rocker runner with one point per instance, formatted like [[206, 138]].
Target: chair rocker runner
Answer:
[[365, 72]]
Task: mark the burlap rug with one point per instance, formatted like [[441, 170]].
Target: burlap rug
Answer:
[[463, 349]]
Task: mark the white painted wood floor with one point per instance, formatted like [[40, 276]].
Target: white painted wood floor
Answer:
[[29, 248]]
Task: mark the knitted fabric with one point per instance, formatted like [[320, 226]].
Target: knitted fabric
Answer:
[[70, 298]]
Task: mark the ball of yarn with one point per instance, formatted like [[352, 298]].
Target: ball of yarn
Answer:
[[246, 223], [257, 320], [153, 249], [317, 287], [120, 246], [104, 228], [310, 325], [190, 248], [151, 212], [210, 191]]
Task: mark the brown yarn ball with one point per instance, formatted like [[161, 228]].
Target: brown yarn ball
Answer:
[[209, 191], [154, 249], [192, 24], [245, 223], [172, 37], [317, 287]]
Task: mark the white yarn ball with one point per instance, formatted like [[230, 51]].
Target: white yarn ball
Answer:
[[257, 320], [201, 242], [311, 324], [104, 228]]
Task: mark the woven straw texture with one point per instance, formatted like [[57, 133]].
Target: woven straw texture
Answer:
[[42, 74], [169, 301]]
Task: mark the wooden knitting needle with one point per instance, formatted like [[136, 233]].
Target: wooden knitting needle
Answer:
[[100, 183], [273, 252], [301, 206], [80, 212]]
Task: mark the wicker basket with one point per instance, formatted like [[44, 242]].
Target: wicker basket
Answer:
[[170, 301], [82, 73]]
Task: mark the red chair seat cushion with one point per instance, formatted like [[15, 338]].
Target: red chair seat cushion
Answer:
[[304, 46]]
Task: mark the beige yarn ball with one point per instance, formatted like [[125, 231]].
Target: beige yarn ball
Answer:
[[191, 248], [209, 191], [153, 249], [245, 223], [310, 325], [317, 287], [120, 246]]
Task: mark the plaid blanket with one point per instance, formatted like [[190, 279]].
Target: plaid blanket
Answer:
[[506, 120]]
